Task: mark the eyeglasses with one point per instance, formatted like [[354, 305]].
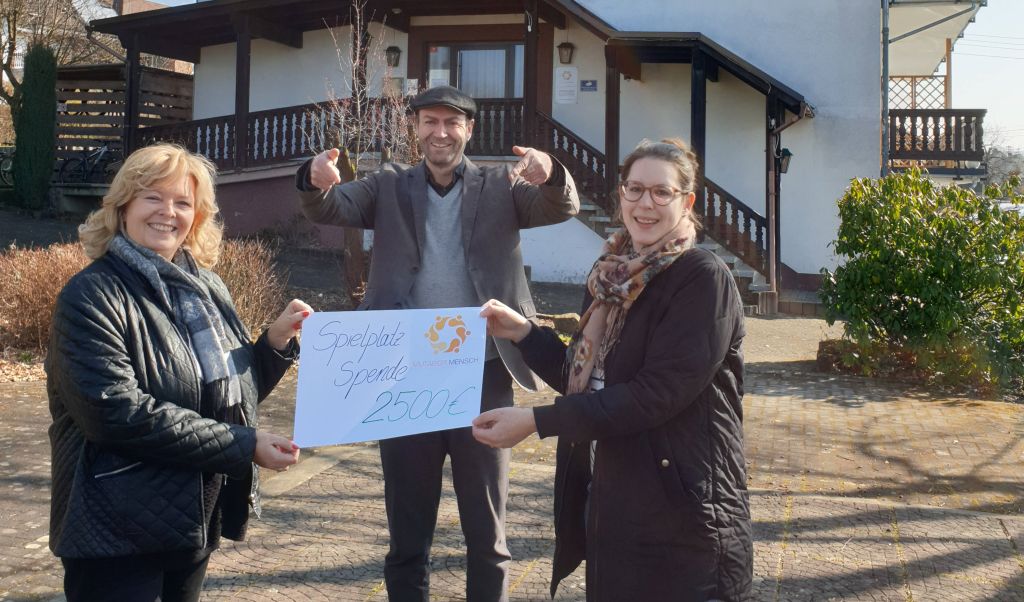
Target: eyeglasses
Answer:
[[661, 194]]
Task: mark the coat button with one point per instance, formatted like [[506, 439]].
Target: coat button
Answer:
[[664, 463]]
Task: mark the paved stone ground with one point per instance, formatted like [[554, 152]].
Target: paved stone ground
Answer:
[[861, 490]]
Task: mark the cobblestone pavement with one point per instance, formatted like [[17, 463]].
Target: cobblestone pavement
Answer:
[[861, 491]]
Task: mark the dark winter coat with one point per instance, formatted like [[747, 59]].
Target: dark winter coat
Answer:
[[669, 515], [129, 447]]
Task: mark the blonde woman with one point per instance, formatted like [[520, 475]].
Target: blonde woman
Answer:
[[153, 384]]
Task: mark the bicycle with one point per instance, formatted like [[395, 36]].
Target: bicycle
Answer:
[[96, 166], [7, 167]]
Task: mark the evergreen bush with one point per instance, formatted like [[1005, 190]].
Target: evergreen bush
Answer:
[[35, 126], [930, 272]]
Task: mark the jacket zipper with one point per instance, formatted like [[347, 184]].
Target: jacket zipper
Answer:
[[591, 539], [111, 473], [199, 393]]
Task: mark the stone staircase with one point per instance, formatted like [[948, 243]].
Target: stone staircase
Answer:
[[749, 281], [596, 219]]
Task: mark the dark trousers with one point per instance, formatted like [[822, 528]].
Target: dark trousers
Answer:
[[131, 579], [412, 491]]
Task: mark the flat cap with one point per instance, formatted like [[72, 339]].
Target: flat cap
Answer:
[[446, 96]]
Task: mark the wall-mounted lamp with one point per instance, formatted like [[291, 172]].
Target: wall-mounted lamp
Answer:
[[565, 50], [784, 158], [392, 54]]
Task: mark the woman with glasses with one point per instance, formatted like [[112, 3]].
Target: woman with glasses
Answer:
[[650, 484]]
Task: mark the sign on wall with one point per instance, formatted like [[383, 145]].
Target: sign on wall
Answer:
[[566, 85]]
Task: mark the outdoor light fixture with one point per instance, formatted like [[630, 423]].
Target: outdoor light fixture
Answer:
[[565, 50], [392, 54], [784, 158]]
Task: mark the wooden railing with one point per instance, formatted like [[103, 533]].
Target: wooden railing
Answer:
[[499, 126], [735, 226], [936, 134], [277, 135], [584, 162], [213, 138], [280, 135]]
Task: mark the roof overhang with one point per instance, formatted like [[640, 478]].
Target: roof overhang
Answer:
[[631, 49], [922, 52], [214, 22]]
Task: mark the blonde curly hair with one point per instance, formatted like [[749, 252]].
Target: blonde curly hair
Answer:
[[141, 170]]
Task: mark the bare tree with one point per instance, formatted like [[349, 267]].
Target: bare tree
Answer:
[[1002, 160], [57, 24]]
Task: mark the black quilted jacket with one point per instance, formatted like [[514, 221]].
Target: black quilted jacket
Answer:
[[128, 444]]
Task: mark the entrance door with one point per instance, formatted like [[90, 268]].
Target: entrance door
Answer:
[[480, 70]]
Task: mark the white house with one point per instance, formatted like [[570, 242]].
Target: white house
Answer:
[[756, 87]]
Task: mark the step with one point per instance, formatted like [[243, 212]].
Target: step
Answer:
[[589, 207], [600, 218], [762, 287], [800, 308]]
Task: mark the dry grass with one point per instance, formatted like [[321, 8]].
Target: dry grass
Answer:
[[30, 280], [257, 286]]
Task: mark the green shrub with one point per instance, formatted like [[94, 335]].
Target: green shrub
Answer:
[[34, 128], [936, 272], [30, 280]]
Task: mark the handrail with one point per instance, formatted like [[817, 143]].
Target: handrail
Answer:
[[736, 226], [587, 164]]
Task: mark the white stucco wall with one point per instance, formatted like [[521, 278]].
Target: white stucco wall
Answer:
[[282, 76], [658, 106], [586, 117], [560, 253], [828, 52]]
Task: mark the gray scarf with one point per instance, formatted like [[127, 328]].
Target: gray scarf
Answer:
[[187, 300]]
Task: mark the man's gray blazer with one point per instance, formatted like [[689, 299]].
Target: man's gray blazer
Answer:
[[392, 203]]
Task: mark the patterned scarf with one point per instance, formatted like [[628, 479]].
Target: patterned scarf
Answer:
[[187, 300], [618, 277]]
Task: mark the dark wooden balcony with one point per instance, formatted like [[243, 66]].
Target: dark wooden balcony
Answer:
[[935, 137], [278, 136]]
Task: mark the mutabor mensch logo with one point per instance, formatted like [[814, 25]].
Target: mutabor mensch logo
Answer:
[[447, 334]]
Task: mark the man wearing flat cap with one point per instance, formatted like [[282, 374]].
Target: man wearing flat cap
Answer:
[[446, 234]]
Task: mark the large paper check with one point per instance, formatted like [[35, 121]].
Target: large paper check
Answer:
[[368, 375]]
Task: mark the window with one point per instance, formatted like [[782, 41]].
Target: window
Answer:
[[480, 70]]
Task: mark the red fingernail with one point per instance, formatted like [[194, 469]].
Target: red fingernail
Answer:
[[305, 313], [298, 326]]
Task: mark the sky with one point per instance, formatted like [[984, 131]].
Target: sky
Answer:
[[988, 71]]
